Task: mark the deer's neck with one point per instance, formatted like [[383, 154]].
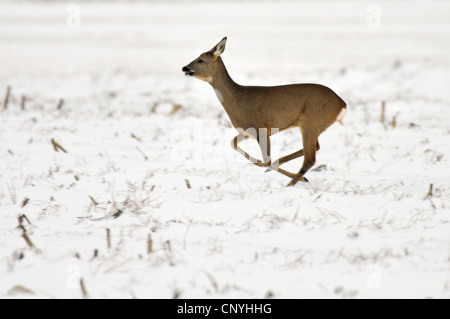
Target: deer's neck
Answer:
[[224, 86]]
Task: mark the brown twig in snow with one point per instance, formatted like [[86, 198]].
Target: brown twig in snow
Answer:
[[429, 196], [83, 289], [108, 238], [430, 192], [167, 245], [143, 154], [25, 202], [136, 138], [93, 200], [22, 102], [57, 146], [25, 236], [28, 240], [175, 109], [383, 111], [6, 101], [149, 244], [394, 121], [21, 218], [154, 107], [60, 104], [117, 213]]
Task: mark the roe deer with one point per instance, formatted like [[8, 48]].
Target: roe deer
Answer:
[[259, 112]]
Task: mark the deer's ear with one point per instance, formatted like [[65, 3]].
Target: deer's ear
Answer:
[[219, 48]]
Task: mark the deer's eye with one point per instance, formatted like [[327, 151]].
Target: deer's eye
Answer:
[[200, 61]]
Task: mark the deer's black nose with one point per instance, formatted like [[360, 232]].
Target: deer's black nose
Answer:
[[187, 71]]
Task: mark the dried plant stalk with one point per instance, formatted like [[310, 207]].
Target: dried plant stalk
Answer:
[[6, 101], [57, 147], [149, 244]]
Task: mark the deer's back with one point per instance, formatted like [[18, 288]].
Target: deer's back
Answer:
[[286, 106]]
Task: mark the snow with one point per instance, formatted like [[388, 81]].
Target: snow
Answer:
[[149, 156]]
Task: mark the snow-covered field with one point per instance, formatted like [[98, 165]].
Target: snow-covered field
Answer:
[[149, 161]]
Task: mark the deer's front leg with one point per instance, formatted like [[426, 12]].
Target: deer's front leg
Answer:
[[264, 144], [235, 144]]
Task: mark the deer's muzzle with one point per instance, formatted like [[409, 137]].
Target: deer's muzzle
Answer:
[[187, 71]]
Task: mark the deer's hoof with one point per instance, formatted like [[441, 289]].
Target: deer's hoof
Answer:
[[294, 181]]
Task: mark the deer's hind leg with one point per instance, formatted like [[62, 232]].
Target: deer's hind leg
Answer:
[[293, 156], [310, 146], [288, 158]]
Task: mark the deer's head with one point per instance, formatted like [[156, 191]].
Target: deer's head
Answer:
[[204, 66]]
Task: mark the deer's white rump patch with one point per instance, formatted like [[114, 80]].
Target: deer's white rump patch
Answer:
[[341, 115]]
